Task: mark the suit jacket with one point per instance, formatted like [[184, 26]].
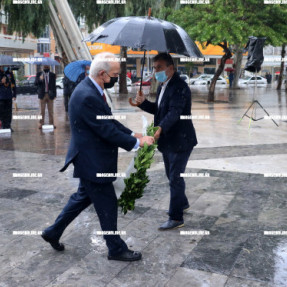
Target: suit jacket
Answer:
[[41, 85], [177, 134], [94, 142]]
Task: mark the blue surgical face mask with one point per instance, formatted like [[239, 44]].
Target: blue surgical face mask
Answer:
[[161, 76], [88, 72]]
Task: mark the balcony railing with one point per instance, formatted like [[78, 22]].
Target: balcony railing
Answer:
[[11, 42]]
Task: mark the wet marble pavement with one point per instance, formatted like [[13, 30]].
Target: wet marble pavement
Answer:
[[236, 205]]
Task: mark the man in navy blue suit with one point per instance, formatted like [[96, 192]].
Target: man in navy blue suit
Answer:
[[93, 151], [176, 136]]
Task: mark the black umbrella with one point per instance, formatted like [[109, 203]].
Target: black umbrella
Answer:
[[145, 33]]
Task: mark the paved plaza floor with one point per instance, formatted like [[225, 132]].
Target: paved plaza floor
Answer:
[[234, 207]]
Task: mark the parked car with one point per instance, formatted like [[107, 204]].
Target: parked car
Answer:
[[30, 78], [200, 80], [146, 81], [27, 86], [205, 79], [115, 88], [252, 80], [185, 78], [129, 82], [59, 83]]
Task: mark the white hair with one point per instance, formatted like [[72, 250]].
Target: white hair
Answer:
[[102, 61]]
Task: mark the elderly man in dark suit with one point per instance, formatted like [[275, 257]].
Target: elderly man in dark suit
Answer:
[[176, 136], [93, 151], [46, 83]]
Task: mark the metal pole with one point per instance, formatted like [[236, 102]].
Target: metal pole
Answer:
[[142, 71], [60, 34], [80, 48]]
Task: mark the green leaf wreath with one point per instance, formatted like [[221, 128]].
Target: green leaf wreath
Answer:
[[137, 181]]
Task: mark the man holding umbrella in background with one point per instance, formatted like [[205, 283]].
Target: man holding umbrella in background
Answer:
[[176, 136], [71, 70], [46, 83]]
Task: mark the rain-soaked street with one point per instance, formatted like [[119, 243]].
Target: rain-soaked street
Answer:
[[237, 203]]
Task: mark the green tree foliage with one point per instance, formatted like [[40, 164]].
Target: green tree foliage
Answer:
[[231, 22], [95, 14], [25, 19], [137, 181]]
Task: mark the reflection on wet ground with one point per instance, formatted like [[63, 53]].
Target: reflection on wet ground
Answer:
[[27, 136]]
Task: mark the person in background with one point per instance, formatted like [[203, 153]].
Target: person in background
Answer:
[[7, 94], [269, 78], [129, 74], [134, 76], [231, 77], [46, 83], [69, 86]]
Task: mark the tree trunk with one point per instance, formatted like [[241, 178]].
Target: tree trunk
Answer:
[[123, 75], [153, 86], [238, 56], [283, 52], [226, 56]]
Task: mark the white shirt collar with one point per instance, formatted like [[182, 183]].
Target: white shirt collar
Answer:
[[97, 85]]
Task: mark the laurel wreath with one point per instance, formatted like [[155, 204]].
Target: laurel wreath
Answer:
[[137, 181]]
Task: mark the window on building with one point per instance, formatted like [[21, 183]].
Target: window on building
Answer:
[[46, 33], [43, 48]]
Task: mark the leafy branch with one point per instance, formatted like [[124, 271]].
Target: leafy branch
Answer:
[[137, 181]]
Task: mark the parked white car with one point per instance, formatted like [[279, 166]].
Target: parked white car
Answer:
[[252, 80], [205, 79], [59, 82], [185, 78], [115, 88]]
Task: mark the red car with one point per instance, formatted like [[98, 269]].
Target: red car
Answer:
[[30, 78], [146, 81]]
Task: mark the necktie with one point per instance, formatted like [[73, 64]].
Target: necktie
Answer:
[[46, 80], [104, 97]]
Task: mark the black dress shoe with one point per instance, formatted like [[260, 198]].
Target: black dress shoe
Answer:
[[185, 209], [171, 224], [54, 243], [128, 255]]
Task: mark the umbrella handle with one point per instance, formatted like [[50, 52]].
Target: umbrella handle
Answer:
[[135, 104], [140, 91]]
